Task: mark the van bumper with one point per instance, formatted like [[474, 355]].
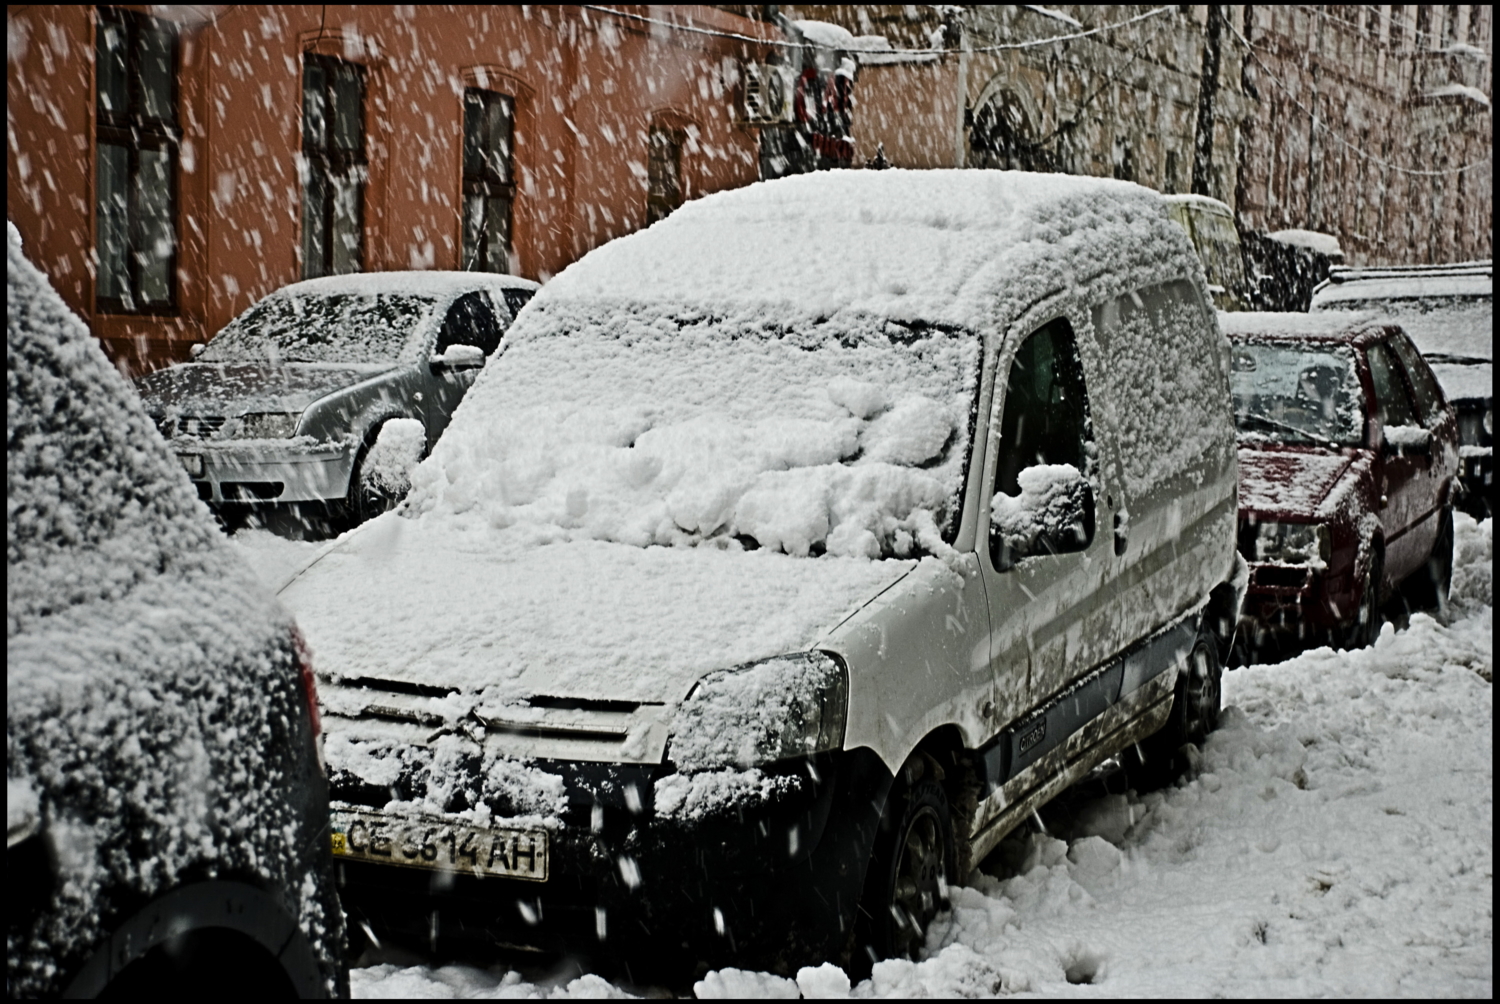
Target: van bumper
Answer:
[[771, 883]]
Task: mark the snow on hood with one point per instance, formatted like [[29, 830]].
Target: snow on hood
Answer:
[[1288, 482], [234, 389], [456, 605]]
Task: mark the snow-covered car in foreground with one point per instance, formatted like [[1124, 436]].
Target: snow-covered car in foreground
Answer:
[[790, 553], [1348, 463], [330, 390], [166, 807], [1449, 312]]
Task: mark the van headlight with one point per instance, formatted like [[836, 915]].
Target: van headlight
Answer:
[[789, 706], [267, 425], [1293, 543]]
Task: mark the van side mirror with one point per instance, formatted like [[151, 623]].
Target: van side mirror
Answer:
[[1053, 514]]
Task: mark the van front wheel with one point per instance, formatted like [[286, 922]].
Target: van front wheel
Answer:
[[907, 884]]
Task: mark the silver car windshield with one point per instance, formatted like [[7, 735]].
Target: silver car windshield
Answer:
[[338, 328], [1297, 394]]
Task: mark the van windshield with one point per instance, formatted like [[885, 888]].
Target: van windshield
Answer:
[[1296, 394], [335, 328], [846, 437]]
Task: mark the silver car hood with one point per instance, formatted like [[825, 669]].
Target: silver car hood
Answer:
[[468, 608], [235, 388]]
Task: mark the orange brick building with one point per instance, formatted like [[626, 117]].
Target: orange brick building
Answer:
[[168, 173]]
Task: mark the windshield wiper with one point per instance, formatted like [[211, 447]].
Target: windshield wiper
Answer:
[[1296, 430]]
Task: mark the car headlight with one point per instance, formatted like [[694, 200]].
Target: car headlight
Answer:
[[267, 425], [1293, 543], [789, 706]]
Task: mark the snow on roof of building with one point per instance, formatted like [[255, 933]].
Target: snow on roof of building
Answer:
[[1200, 202], [1313, 240]]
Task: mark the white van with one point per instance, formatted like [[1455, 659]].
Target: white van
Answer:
[[790, 554]]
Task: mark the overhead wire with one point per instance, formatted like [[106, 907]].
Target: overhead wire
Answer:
[[787, 44]]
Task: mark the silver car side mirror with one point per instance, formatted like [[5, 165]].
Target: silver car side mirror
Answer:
[[460, 357]]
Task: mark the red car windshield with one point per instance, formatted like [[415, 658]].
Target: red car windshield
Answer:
[[1296, 394]]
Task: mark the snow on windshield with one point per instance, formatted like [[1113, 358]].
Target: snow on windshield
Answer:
[[1296, 393], [324, 328], [654, 426]]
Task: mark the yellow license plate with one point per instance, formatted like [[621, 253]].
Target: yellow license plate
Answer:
[[437, 844]]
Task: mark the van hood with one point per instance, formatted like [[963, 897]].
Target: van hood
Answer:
[[1288, 481], [235, 388], [463, 606]]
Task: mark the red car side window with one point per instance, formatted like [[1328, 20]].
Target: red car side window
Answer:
[[1394, 407], [1429, 397]]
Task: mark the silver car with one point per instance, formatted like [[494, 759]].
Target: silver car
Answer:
[[289, 402]]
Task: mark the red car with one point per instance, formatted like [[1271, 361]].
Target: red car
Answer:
[[1348, 455]]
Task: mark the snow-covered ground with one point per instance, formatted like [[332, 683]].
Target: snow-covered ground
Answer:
[[1335, 840]]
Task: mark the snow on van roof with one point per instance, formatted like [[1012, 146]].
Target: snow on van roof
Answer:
[[963, 247], [411, 283]]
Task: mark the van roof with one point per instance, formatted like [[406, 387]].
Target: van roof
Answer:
[[959, 247], [433, 283]]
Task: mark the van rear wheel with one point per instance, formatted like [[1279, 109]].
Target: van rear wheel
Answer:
[[1195, 713], [907, 882]]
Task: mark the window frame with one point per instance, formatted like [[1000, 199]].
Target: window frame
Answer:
[[660, 205], [486, 184], [132, 130], [1000, 557], [331, 162]]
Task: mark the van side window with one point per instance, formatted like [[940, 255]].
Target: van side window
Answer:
[[1040, 507], [1390, 393], [470, 321], [1423, 383], [1046, 417], [1165, 390]]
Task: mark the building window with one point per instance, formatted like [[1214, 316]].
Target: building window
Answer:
[[136, 180], [489, 187], [663, 173], [334, 165]]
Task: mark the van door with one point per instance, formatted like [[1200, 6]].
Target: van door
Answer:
[[1169, 449], [1041, 602]]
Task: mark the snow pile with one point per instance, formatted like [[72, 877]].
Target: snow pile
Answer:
[[396, 452], [1336, 839], [148, 674], [1048, 506], [718, 792], [648, 428]]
